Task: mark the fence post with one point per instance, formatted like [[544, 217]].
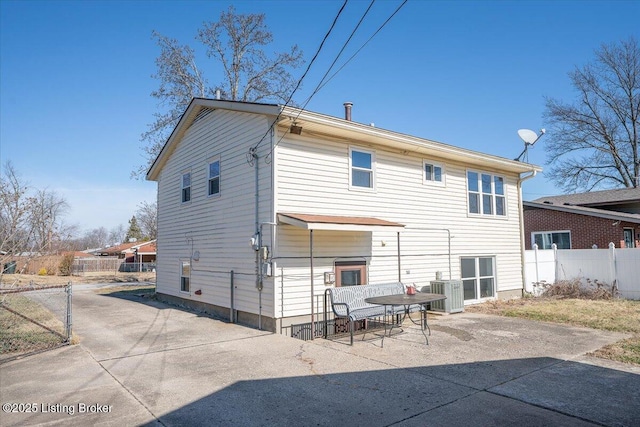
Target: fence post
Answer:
[[612, 268], [535, 251], [68, 330], [556, 272]]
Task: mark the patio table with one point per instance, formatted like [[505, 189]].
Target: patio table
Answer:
[[419, 298]]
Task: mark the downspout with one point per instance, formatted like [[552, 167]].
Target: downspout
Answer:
[[313, 320], [521, 213], [399, 265], [256, 161]]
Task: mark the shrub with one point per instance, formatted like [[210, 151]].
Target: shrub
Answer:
[[42, 272], [65, 265], [581, 288]]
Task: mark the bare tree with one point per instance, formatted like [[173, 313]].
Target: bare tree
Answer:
[[236, 43], [594, 141], [15, 213], [30, 220], [180, 81], [96, 238], [89, 239], [147, 216], [116, 235], [47, 209]]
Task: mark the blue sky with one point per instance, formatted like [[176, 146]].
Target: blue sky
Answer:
[[75, 78]]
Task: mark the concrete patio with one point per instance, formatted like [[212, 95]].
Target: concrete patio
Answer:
[[141, 362]]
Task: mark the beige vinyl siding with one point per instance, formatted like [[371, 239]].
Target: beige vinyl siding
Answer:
[[313, 177], [293, 269], [219, 228]]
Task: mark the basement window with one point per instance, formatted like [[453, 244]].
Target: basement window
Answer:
[[185, 276], [478, 277]]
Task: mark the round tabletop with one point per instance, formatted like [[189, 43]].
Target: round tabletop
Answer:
[[404, 299]]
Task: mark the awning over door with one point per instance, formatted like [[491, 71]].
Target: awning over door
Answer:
[[341, 223]]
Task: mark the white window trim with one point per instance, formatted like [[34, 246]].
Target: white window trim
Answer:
[[213, 160], [373, 170], [180, 263], [633, 236], [425, 181], [533, 236], [182, 187], [493, 195], [476, 259]]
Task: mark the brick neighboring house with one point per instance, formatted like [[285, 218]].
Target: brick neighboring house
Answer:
[[584, 220]]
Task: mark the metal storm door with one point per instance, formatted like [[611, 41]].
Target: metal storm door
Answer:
[[350, 273]]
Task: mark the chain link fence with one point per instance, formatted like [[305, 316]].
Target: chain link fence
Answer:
[[34, 319]]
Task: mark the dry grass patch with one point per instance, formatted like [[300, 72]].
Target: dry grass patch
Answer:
[[9, 280], [138, 290], [610, 315], [19, 335], [627, 351]]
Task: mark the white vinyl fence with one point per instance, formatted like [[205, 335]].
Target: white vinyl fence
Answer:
[[611, 266]]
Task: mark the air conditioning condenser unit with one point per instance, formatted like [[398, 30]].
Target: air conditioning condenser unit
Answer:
[[453, 290]]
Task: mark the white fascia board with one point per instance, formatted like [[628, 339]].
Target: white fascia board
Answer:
[[380, 136]]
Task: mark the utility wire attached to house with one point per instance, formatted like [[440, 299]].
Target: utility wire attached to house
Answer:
[[335, 20], [363, 45], [322, 82]]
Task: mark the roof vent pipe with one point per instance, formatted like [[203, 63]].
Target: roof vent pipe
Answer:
[[347, 110]]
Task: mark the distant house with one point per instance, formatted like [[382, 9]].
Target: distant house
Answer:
[[132, 252], [262, 207], [584, 220], [79, 254]]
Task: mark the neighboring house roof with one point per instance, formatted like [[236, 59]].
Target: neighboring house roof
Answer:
[[327, 126], [118, 248], [595, 198], [79, 254], [130, 247], [583, 210], [146, 248]]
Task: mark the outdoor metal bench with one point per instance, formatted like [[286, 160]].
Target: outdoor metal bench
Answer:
[[348, 302]]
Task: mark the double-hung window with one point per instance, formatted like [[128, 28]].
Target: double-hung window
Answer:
[[478, 277], [486, 194], [186, 187], [362, 166], [214, 178], [433, 173], [185, 275]]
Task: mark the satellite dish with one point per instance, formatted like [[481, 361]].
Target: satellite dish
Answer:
[[528, 136]]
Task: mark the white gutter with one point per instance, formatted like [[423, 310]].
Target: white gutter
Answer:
[[416, 143]]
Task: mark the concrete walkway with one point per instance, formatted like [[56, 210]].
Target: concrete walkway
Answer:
[[141, 362]]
